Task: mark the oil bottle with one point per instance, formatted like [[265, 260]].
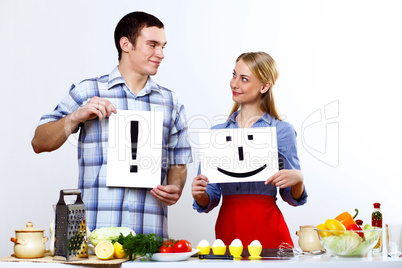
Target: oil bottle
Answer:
[[376, 221]]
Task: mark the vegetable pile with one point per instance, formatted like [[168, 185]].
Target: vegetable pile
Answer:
[[350, 243], [345, 237], [129, 245]]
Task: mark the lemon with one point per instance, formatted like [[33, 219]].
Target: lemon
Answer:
[[104, 250], [118, 250]]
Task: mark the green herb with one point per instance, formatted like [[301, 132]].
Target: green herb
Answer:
[[140, 244]]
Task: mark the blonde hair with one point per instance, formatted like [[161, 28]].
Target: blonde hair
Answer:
[[264, 68]]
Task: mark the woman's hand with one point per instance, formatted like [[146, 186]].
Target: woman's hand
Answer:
[[286, 178], [289, 178], [198, 190]]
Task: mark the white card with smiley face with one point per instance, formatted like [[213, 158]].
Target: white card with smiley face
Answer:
[[238, 154]]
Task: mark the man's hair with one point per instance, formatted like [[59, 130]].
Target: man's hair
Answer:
[[131, 25]]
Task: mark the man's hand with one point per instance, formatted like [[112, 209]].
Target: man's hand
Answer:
[[95, 107], [169, 194], [50, 136]]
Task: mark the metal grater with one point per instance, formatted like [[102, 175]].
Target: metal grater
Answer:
[[70, 229]]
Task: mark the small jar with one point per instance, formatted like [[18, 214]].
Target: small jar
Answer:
[[29, 242]]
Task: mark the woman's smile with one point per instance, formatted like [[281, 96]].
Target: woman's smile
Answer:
[[236, 93]]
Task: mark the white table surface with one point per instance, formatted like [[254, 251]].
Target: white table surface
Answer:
[[325, 260]]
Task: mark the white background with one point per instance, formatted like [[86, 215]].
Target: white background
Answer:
[[339, 85]]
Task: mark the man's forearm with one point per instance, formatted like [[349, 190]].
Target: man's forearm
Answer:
[[50, 136], [177, 175]]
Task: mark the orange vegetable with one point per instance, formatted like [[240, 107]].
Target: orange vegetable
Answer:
[[346, 219]]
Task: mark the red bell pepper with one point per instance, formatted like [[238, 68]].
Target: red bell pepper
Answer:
[[356, 227]]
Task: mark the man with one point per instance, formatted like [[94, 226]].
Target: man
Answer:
[[140, 39]]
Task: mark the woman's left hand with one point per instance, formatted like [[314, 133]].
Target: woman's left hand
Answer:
[[286, 178]]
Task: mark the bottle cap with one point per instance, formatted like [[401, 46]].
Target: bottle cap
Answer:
[[377, 205]]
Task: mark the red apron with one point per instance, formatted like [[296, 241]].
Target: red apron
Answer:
[[251, 217]]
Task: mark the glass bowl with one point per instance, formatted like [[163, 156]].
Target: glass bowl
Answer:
[[349, 243]]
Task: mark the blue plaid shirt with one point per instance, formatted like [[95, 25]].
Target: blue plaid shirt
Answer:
[[105, 206], [287, 157]]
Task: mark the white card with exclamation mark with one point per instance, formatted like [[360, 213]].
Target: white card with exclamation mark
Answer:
[[134, 156]]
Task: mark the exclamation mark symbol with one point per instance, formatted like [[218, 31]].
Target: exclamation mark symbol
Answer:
[[134, 142]]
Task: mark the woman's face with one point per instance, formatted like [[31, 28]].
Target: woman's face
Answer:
[[246, 88]]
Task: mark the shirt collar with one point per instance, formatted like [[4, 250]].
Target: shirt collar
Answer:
[[232, 120], [149, 86], [115, 78], [266, 117]]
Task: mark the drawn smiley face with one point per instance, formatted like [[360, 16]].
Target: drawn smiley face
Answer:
[[238, 154], [247, 174]]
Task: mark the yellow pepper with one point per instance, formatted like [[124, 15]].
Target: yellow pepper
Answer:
[[323, 233], [335, 225]]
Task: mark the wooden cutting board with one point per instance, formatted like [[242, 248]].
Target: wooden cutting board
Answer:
[[48, 258]]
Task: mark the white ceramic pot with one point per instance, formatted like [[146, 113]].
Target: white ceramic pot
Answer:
[[29, 242], [309, 239]]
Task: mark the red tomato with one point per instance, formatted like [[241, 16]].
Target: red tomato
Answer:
[[169, 243], [182, 246], [164, 249]]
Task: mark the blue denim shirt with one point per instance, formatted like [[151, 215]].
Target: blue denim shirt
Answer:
[[288, 159]]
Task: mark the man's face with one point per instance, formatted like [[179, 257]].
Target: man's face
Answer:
[[147, 54]]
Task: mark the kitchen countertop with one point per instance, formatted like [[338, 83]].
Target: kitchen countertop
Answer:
[[324, 260]]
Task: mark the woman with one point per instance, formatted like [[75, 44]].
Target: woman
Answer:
[[249, 209]]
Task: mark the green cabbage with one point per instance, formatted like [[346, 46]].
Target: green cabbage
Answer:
[[370, 236], [350, 243], [345, 244], [108, 234]]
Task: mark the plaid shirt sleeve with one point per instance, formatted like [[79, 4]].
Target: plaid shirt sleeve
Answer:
[[179, 151], [69, 104]]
